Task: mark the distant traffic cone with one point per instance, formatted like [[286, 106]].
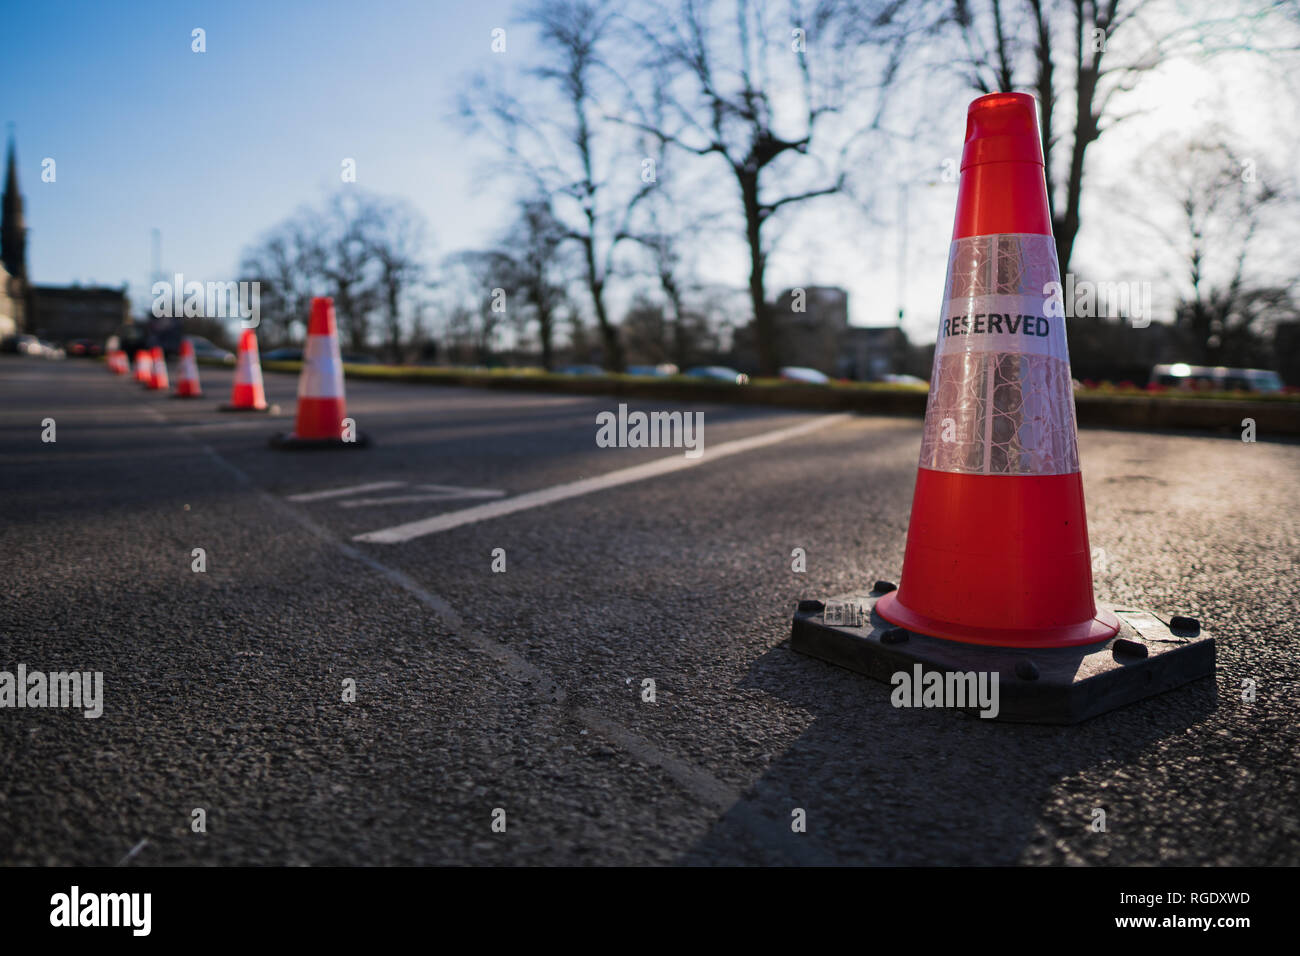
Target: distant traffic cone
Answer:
[[143, 367], [997, 548], [322, 420], [121, 365], [158, 365], [247, 394], [188, 385]]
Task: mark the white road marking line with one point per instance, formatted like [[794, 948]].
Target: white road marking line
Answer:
[[457, 495], [460, 492], [342, 492], [574, 489]]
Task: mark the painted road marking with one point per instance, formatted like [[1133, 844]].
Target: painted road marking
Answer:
[[574, 489], [435, 493], [344, 492]]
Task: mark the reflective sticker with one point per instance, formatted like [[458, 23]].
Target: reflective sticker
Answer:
[[1001, 397], [248, 372], [322, 368]]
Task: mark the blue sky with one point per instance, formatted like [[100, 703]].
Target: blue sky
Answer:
[[215, 148]]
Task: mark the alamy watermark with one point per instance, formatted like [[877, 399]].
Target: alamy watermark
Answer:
[[1085, 299], [75, 909], [208, 300], [651, 430], [959, 689], [80, 689]]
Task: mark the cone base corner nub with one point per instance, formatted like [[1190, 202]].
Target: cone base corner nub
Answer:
[[289, 442]]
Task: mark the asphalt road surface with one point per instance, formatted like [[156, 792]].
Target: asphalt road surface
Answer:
[[479, 691]]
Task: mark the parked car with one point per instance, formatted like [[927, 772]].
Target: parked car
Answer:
[[21, 344], [655, 371], [85, 347], [808, 376], [579, 370], [283, 355], [203, 348], [356, 358], [903, 380], [51, 350], [718, 373], [1215, 379]]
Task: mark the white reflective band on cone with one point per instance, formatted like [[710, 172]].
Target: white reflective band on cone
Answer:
[[189, 367], [322, 368], [248, 372], [1001, 398]]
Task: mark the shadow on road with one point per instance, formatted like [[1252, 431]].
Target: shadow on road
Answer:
[[888, 786]]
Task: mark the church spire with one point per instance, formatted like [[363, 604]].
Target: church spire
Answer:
[[13, 231]]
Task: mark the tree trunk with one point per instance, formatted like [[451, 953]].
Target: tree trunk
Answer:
[[596, 286], [764, 333], [1065, 226], [545, 327], [674, 295]]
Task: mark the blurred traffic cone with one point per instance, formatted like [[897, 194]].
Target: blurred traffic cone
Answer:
[[158, 368], [143, 367], [322, 420], [121, 364], [997, 548], [247, 395], [188, 385]]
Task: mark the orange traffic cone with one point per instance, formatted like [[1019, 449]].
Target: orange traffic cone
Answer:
[[158, 365], [188, 385], [997, 547], [143, 367], [121, 364], [247, 395], [322, 420]]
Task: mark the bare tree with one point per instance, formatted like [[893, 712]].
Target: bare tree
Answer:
[[663, 226], [1079, 57], [743, 83], [560, 140], [1223, 202], [535, 240], [278, 263], [364, 251], [480, 282], [339, 251], [397, 242]]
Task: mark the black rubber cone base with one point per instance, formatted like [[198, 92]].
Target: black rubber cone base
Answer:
[[268, 410], [1058, 685], [289, 442]]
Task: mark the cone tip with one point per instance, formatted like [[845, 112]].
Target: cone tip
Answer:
[[1000, 128], [322, 316]]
